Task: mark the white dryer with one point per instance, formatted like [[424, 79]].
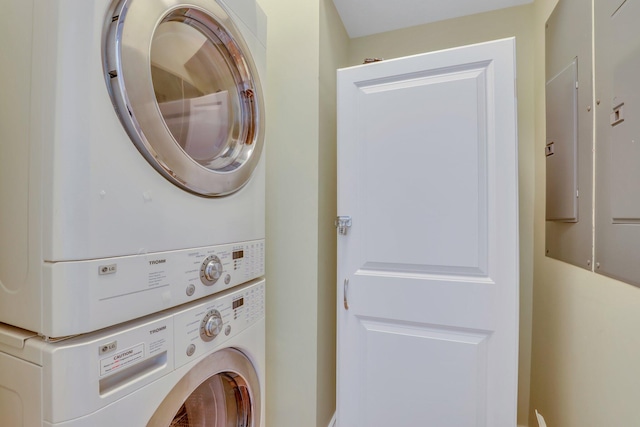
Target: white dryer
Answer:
[[131, 166], [198, 365]]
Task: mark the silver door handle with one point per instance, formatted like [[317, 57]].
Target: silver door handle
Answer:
[[345, 289]]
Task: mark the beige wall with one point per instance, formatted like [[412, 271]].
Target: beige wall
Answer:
[[585, 358], [334, 43], [292, 210], [306, 44], [516, 21]]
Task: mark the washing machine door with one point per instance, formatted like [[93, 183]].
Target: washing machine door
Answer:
[[187, 91], [220, 391]]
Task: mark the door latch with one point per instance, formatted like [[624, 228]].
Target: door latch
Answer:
[[342, 223]]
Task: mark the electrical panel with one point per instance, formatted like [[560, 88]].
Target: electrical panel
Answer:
[[617, 202], [569, 133], [613, 240]]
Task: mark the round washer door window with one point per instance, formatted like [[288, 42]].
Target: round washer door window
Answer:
[[221, 390], [187, 92]]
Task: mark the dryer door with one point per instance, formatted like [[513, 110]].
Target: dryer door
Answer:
[[220, 391], [186, 89]]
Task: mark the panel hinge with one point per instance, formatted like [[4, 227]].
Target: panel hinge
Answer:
[[342, 223]]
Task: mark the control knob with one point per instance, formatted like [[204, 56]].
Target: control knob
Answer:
[[211, 270], [211, 325]]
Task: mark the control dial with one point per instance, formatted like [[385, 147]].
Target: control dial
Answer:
[[211, 270], [211, 325]]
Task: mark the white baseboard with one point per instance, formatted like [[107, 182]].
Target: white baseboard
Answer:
[[332, 423]]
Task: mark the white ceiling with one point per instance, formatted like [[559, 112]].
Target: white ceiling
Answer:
[[366, 17]]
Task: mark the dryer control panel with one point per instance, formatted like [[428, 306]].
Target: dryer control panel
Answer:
[[129, 287], [202, 327]]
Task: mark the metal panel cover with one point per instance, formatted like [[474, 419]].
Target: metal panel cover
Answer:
[[568, 71], [561, 150]]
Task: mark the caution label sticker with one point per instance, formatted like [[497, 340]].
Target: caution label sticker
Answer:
[[121, 360]]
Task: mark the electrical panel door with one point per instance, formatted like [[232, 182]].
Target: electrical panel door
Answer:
[[561, 150], [569, 143]]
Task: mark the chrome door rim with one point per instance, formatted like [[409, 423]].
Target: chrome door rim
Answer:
[[228, 360], [127, 64]]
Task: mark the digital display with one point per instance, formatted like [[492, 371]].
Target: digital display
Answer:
[[238, 303], [238, 254]]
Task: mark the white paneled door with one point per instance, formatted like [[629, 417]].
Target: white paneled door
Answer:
[[428, 269]]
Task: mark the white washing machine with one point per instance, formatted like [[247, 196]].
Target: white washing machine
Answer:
[[198, 365], [131, 166]]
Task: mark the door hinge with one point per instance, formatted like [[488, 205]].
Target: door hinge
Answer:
[[342, 223]]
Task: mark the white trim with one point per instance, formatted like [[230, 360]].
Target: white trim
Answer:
[[332, 423]]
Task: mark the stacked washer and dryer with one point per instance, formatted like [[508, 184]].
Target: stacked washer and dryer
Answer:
[[132, 213]]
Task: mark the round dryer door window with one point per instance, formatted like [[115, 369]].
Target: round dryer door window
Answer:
[[222, 390], [187, 91]]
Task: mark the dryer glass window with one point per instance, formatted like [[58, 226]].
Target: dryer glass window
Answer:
[[185, 87], [222, 400], [198, 80]]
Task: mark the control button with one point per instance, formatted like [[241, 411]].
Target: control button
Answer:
[[191, 350], [191, 289]]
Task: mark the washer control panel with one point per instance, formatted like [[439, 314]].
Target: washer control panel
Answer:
[[203, 326]]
